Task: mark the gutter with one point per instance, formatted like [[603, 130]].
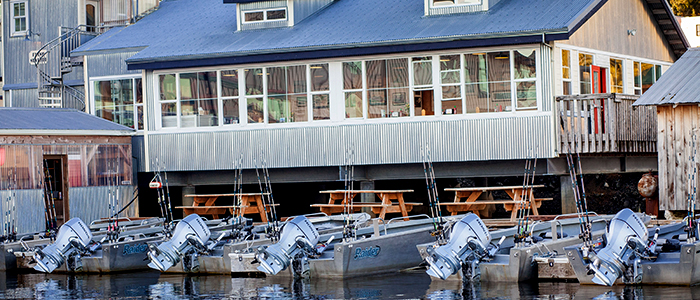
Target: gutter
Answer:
[[66, 132]]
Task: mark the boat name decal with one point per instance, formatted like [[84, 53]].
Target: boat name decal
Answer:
[[369, 252], [138, 248]]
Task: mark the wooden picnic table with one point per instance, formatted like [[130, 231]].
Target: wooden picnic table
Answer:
[[339, 198], [204, 204], [514, 204]]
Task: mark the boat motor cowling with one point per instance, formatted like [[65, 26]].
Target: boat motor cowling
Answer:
[[72, 237], [468, 242], [297, 235], [190, 235], [626, 235]]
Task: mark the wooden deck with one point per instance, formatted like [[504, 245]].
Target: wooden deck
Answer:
[[605, 123]]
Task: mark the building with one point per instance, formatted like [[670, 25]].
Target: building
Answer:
[[691, 28], [38, 38], [676, 97], [82, 161], [297, 85]]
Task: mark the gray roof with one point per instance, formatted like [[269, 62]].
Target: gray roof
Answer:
[[203, 32], [679, 85], [61, 120]]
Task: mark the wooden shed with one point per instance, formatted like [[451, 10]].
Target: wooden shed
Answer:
[[73, 161], [677, 99]]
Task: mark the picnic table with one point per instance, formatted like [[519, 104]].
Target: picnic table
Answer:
[[513, 204], [340, 198], [204, 204]]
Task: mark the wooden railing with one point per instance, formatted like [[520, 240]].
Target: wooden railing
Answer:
[[605, 123]]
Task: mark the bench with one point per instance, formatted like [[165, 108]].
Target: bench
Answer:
[[251, 203], [380, 208], [516, 193]]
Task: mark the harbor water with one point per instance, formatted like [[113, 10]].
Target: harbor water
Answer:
[[409, 285]]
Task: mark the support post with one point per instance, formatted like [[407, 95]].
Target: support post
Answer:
[[568, 203], [187, 190], [367, 185]]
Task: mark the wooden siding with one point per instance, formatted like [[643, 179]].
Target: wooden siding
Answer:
[[675, 140], [607, 29]]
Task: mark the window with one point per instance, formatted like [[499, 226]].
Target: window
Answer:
[[352, 89], [697, 30], [387, 88], [525, 67], [119, 101], [287, 98], [20, 18], [229, 97], [616, 76], [254, 95], [488, 82], [168, 99], [566, 71], [198, 99], [275, 14], [438, 3], [450, 66], [645, 75], [320, 92], [585, 61], [423, 86]]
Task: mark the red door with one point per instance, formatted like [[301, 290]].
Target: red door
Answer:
[[599, 87]]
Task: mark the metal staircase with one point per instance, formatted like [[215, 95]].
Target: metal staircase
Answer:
[[53, 62]]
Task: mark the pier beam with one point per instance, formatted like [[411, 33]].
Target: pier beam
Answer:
[[187, 190], [568, 204], [367, 185]]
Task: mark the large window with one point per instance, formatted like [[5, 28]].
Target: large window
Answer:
[[229, 97], [320, 92], [645, 75], [488, 82], [566, 71], [439, 3], [387, 88], [275, 14], [20, 18], [616, 76], [525, 78], [353, 89], [585, 61], [120, 101], [254, 95], [198, 99], [286, 94]]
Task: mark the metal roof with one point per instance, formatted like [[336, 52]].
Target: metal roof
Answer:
[[679, 85], [59, 121], [669, 26], [185, 33]]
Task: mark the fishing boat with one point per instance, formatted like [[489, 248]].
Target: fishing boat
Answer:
[[474, 253], [631, 253]]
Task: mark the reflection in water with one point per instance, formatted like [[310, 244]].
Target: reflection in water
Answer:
[[412, 285]]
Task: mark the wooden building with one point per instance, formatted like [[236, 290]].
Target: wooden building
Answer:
[[677, 99], [79, 159]]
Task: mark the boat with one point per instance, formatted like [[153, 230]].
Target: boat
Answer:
[[470, 254], [366, 251], [631, 253], [213, 255]]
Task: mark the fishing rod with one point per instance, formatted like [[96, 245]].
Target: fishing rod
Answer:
[[262, 197], [348, 209], [52, 200], [167, 197], [529, 190], [692, 192], [238, 188], [430, 191], [574, 185], [270, 197], [431, 171], [521, 200], [136, 195], [43, 189], [584, 201], [157, 184]]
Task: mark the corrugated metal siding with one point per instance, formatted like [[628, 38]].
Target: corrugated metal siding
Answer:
[[264, 25], [91, 203], [455, 10], [25, 98], [263, 5], [29, 210], [109, 64], [45, 18], [678, 85], [305, 8], [388, 143], [149, 84], [546, 78], [138, 150]]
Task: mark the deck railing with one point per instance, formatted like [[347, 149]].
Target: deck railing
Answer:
[[605, 123]]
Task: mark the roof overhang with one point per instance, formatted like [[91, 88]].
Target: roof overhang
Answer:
[[669, 25], [334, 51], [17, 132]]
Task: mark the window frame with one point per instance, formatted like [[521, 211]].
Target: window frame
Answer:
[[610, 77], [13, 31], [454, 4], [697, 29], [264, 12], [566, 80], [136, 105]]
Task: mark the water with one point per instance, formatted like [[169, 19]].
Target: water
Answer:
[[413, 285]]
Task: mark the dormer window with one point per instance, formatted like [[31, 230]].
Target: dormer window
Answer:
[[442, 3], [265, 15]]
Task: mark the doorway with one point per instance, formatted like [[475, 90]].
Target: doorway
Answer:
[[423, 103], [56, 187], [91, 15], [599, 82]]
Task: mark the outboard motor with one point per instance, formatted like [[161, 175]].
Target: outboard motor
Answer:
[[189, 237], [73, 237], [468, 244], [298, 236], [626, 235]]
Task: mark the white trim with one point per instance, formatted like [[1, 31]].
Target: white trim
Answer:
[[611, 54], [432, 6], [264, 12], [13, 31], [91, 107]]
